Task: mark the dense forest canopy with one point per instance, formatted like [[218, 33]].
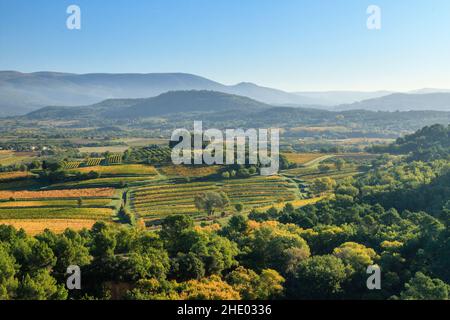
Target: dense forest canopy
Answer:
[[428, 143]]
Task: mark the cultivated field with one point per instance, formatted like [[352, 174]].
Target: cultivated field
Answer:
[[56, 213], [8, 176], [191, 171], [103, 149], [58, 209], [48, 194], [56, 203], [140, 142], [113, 182], [36, 226], [295, 203], [320, 129], [302, 158], [8, 158], [120, 170]]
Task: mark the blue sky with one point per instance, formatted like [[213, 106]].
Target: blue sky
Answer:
[[295, 45]]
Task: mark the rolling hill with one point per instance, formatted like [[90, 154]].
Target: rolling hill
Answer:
[[167, 103]]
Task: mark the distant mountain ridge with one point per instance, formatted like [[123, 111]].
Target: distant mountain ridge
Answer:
[[24, 92], [438, 101], [333, 98]]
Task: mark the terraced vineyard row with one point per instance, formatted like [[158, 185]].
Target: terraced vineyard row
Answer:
[[71, 164], [165, 198], [114, 158], [90, 162], [51, 194], [57, 203]]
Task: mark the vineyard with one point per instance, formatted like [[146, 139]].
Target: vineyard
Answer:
[[71, 164], [76, 208], [52, 194], [56, 203], [114, 158], [92, 162], [57, 213], [163, 198]]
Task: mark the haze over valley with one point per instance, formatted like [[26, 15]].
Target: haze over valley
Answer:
[[21, 93]]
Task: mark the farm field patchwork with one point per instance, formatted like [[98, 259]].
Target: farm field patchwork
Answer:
[[55, 209]]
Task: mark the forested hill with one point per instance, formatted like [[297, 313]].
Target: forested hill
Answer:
[[166, 103], [428, 143]]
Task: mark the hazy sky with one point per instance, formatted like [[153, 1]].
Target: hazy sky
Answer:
[[295, 45]]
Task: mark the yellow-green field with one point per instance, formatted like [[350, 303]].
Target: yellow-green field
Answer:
[[115, 182], [302, 158], [295, 203], [48, 194], [123, 170], [8, 158], [141, 142], [189, 171]]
